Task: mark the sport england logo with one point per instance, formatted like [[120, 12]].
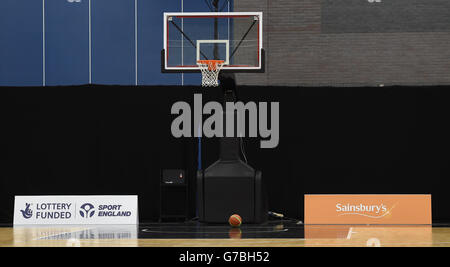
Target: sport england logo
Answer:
[[87, 210], [27, 213]]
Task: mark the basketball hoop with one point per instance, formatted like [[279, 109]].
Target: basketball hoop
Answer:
[[210, 72]]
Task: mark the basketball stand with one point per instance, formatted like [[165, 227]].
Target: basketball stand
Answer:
[[219, 44], [231, 186]]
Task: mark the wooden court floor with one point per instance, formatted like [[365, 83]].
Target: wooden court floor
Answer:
[[311, 236]]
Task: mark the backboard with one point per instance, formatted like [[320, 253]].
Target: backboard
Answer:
[[234, 37]]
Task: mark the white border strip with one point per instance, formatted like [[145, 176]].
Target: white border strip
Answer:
[[90, 44], [218, 14], [229, 29], [136, 41], [182, 42], [43, 43], [226, 42], [165, 38]]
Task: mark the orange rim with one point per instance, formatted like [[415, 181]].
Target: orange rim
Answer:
[[212, 63]]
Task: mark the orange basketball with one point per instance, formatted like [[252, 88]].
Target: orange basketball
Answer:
[[235, 220]]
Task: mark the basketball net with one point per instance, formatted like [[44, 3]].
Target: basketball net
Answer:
[[210, 72]]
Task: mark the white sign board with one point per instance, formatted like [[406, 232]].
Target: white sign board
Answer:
[[75, 210]]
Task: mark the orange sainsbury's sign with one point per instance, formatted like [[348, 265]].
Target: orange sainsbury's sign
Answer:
[[367, 209]]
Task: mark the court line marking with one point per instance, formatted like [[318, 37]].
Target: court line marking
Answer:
[[225, 232], [350, 231]]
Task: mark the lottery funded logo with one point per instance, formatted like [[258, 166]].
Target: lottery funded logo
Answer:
[[27, 213], [53, 211]]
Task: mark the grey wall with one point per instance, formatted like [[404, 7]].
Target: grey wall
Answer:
[[353, 42]]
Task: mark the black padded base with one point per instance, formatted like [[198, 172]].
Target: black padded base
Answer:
[[231, 187]]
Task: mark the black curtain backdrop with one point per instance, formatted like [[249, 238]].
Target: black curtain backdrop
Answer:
[[84, 140]]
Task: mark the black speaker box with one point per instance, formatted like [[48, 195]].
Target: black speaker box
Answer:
[[174, 195]]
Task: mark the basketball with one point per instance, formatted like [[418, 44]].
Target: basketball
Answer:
[[235, 220]]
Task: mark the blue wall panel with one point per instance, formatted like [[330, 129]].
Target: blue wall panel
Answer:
[[113, 42], [67, 42], [113, 45], [150, 42], [21, 42]]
